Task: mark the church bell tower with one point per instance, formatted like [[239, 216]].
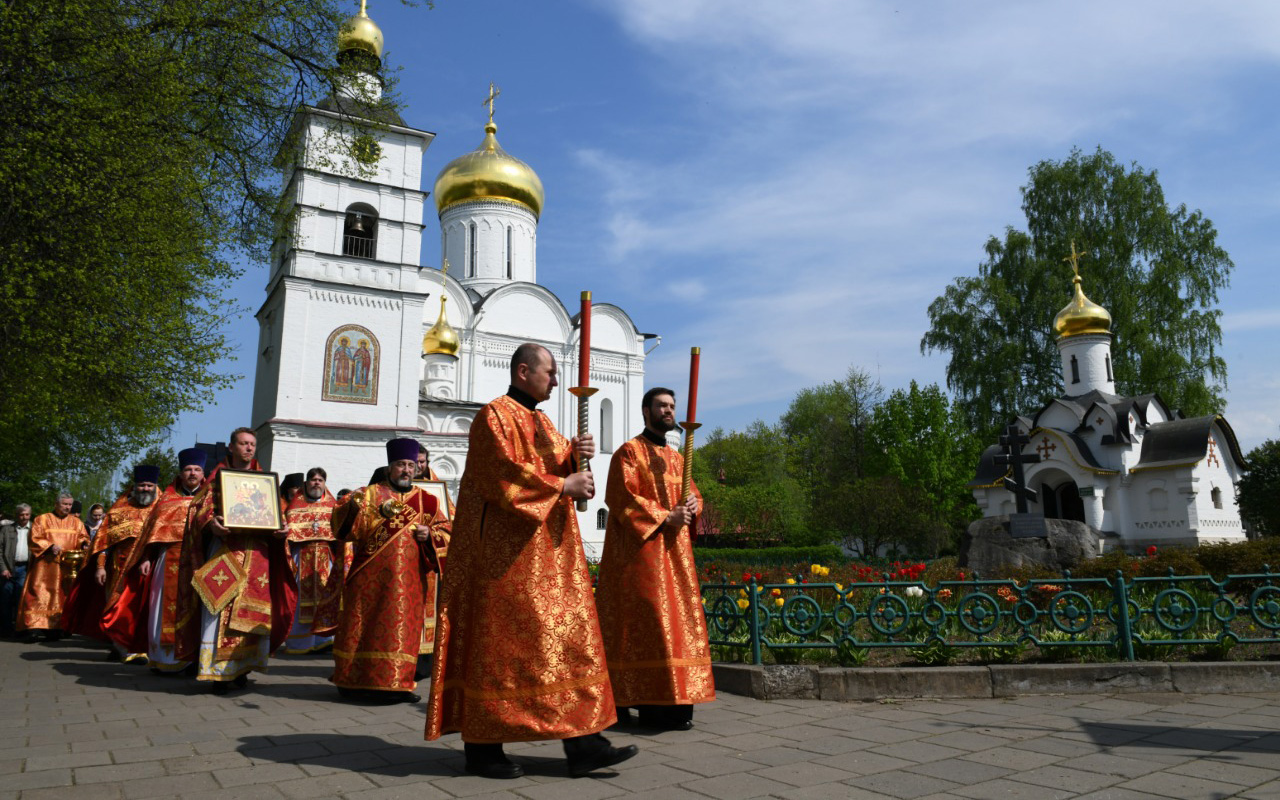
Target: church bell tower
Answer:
[[339, 346]]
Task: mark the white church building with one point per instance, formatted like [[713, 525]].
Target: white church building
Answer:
[[359, 342], [1128, 466]]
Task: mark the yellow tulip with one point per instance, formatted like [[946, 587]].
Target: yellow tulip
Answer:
[[779, 602], [791, 581], [744, 604]]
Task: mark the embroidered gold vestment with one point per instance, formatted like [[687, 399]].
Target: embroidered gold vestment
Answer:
[[125, 617], [384, 601], [316, 567], [44, 593], [518, 650], [650, 601]]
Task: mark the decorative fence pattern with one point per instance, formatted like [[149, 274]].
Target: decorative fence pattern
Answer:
[[1130, 619]]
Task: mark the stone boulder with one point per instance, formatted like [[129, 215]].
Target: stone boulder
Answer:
[[987, 546]]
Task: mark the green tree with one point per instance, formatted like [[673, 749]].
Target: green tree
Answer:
[[884, 517], [137, 163], [750, 496], [1157, 269], [918, 438], [163, 457], [826, 432], [1258, 492]]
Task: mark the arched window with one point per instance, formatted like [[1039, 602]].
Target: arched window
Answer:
[[606, 426], [471, 253], [1109, 369], [508, 252], [602, 518], [1075, 370], [360, 232]]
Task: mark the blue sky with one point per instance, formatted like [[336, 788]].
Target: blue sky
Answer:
[[789, 184]]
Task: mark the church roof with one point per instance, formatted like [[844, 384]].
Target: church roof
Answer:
[[1184, 441]]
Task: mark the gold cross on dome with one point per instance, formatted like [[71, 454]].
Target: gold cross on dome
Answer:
[[488, 101], [1074, 258]]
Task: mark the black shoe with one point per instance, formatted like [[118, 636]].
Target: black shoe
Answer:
[[113, 657], [586, 754], [403, 697], [664, 722], [488, 761], [241, 681]]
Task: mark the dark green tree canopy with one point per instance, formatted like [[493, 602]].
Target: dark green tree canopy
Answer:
[[1258, 492], [137, 161], [1157, 268]]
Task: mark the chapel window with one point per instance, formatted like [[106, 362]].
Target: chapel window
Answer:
[[360, 232], [602, 518], [508, 252], [606, 426], [1109, 369], [1216, 494], [471, 255], [1075, 370]]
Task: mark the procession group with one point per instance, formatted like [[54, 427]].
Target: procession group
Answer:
[[492, 599]]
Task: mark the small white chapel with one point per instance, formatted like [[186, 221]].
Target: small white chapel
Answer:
[[360, 342], [1128, 466]]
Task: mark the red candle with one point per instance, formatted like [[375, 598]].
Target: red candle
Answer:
[[584, 343], [694, 356]]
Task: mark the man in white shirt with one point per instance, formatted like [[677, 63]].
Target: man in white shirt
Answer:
[[14, 553]]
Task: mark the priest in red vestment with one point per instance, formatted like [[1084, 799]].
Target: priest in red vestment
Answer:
[[399, 536], [649, 597], [236, 589], [518, 649], [44, 594], [110, 551], [141, 617], [317, 565]]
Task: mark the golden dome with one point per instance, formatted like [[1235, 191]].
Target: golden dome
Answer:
[[1081, 316], [442, 339], [361, 33], [488, 173]]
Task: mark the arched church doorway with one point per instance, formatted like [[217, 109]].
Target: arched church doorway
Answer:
[[1060, 497]]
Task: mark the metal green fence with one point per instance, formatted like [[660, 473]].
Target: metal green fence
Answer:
[[1126, 618]]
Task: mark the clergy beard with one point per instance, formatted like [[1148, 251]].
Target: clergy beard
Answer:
[[143, 499], [660, 425], [313, 497], [401, 485]]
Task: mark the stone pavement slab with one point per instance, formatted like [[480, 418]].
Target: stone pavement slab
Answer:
[[77, 726]]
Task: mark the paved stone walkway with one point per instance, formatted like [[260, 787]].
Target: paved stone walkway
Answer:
[[76, 726]]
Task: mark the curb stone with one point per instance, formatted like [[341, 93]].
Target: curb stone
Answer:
[[798, 682]]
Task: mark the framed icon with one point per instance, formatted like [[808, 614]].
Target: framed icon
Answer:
[[249, 500], [440, 491]]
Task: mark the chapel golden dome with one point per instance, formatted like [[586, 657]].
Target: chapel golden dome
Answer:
[[1081, 316], [441, 339], [361, 33], [489, 173]]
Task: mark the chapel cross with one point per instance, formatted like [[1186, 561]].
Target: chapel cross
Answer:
[[1212, 460], [488, 101], [1046, 448], [1074, 258]]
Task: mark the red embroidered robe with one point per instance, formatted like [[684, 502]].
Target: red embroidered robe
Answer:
[[518, 650], [649, 597]]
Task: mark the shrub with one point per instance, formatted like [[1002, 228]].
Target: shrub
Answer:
[[818, 554]]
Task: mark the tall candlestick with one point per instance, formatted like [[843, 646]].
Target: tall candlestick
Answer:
[[583, 391], [584, 341], [690, 424], [695, 355]]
